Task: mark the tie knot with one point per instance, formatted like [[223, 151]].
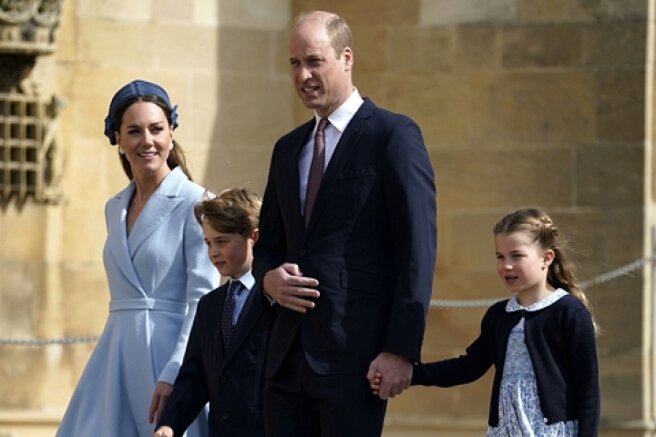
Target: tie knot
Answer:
[[235, 287], [322, 125]]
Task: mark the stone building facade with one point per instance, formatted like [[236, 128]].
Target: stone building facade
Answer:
[[521, 102]]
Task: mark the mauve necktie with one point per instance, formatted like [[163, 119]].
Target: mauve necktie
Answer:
[[316, 170], [228, 312]]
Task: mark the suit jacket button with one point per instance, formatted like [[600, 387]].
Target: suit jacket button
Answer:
[[302, 252], [223, 380], [225, 416]]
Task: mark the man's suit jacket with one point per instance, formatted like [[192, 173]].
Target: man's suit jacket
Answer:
[[233, 380], [370, 242]]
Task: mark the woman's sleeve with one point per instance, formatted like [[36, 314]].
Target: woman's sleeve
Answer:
[[202, 278]]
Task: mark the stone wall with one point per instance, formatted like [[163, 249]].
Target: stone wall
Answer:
[[521, 102]]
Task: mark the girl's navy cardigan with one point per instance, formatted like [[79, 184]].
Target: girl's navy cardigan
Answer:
[[561, 342]]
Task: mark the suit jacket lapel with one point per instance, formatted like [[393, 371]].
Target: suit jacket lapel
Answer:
[[248, 318], [291, 174], [214, 330], [343, 150], [160, 205], [117, 211]]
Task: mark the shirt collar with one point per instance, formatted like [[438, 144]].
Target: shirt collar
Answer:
[[514, 305], [247, 280], [341, 116]]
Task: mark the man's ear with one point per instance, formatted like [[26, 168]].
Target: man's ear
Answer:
[[347, 53], [255, 235]]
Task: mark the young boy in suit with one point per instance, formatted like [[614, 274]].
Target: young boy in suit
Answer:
[[224, 361]]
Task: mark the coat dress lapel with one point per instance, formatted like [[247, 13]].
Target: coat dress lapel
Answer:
[[116, 213], [160, 205]]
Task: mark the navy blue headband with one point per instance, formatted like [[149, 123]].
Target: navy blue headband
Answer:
[[136, 88]]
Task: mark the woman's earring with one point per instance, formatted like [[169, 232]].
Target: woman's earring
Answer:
[[171, 146], [121, 150]]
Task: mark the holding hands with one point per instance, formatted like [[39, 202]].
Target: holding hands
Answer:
[[389, 375]]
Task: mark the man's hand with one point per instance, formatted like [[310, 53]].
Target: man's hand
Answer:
[[163, 431], [160, 395], [389, 374], [289, 288]]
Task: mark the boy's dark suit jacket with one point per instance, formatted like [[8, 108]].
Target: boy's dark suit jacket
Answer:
[[231, 381]]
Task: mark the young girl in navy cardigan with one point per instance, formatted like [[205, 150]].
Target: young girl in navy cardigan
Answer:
[[541, 341]]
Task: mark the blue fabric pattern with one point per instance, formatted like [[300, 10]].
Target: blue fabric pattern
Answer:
[[519, 405]]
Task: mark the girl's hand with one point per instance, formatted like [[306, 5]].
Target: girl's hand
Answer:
[[374, 382]]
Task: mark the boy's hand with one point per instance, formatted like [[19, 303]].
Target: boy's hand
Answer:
[[160, 395], [163, 431]]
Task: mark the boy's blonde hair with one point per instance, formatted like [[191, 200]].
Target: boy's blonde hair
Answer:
[[234, 211]]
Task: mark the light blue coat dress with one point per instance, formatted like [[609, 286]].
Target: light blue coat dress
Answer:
[[156, 276]]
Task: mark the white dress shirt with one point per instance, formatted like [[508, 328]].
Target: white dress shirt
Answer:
[[339, 119]]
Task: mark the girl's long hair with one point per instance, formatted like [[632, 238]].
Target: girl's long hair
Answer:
[[544, 232]]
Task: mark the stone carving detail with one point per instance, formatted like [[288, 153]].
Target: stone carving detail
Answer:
[[29, 163], [28, 25]]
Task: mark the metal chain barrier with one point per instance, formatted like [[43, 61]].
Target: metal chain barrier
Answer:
[[47, 341], [600, 279], [624, 270]]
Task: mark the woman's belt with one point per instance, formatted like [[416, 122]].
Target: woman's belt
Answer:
[[147, 303]]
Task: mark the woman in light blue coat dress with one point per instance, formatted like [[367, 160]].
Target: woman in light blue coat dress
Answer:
[[157, 269]]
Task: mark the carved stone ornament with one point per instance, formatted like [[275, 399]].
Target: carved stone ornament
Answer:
[[28, 26], [29, 158]]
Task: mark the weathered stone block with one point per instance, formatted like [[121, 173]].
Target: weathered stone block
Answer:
[[617, 44], [238, 166], [532, 11], [620, 105], [103, 43], [440, 104], [263, 14], [476, 47], [199, 52], [174, 11], [116, 10], [235, 42], [540, 46], [539, 106], [390, 12], [423, 49], [447, 12], [241, 100], [371, 48], [609, 176], [474, 178]]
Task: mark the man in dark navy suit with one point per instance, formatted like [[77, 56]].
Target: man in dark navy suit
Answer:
[[347, 247]]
